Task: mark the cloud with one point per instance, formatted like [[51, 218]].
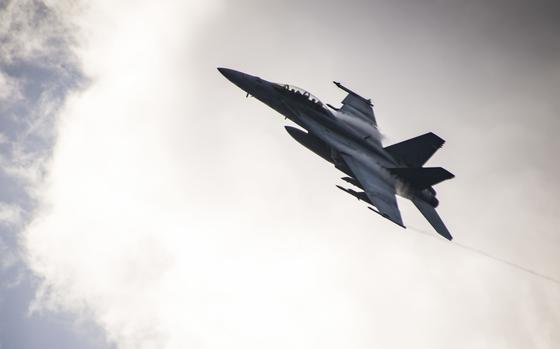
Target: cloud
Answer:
[[10, 214], [33, 29], [111, 207], [7, 257], [9, 88], [166, 217], [37, 70]]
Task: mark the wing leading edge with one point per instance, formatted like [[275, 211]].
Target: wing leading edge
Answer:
[[381, 194], [357, 105]]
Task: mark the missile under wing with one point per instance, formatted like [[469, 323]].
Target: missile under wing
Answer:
[[348, 138], [380, 193]]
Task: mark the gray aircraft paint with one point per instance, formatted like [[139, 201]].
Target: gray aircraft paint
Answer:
[[355, 143]]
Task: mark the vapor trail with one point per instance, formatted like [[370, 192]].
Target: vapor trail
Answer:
[[486, 254]]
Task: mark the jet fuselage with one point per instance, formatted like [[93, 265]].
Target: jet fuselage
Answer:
[[341, 132], [348, 138]]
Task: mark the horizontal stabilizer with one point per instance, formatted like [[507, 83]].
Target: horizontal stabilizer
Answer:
[[432, 216], [422, 177], [416, 151]]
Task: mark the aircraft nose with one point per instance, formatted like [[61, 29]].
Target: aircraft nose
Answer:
[[244, 81], [232, 75], [253, 85]]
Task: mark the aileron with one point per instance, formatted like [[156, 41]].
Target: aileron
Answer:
[[348, 138], [379, 193]]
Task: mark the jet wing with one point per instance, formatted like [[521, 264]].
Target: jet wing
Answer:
[[357, 105], [380, 193]]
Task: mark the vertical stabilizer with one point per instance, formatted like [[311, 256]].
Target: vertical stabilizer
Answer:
[[416, 151]]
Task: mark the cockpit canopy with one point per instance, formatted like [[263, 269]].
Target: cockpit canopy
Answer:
[[299, 91]]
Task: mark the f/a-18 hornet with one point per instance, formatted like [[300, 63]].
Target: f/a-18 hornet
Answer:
[[348, 138]]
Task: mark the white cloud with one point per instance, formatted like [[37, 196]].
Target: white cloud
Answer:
[[7, 257], [33, 30], [9, 88], [37, 70], [10, 214], [123, 234], [152, 222]]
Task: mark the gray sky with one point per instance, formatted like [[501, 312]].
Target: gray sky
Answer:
[[146, 203]]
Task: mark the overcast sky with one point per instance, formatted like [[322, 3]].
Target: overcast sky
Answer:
[[146, 203]]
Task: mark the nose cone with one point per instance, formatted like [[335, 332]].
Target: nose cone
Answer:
[[232, 75], [242, 80], [246, 82], [253, 85]]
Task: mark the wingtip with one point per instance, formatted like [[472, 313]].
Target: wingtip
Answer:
[[386, 217], [437, 138], [450, 175], [443, 232], [447, 237]]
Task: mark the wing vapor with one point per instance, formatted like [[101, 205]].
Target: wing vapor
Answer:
[[357, 105], [380, 193]]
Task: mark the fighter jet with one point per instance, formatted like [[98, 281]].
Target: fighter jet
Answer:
[[348, 138]]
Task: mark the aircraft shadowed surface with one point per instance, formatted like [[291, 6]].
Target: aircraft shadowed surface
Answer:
[[348, 138]]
